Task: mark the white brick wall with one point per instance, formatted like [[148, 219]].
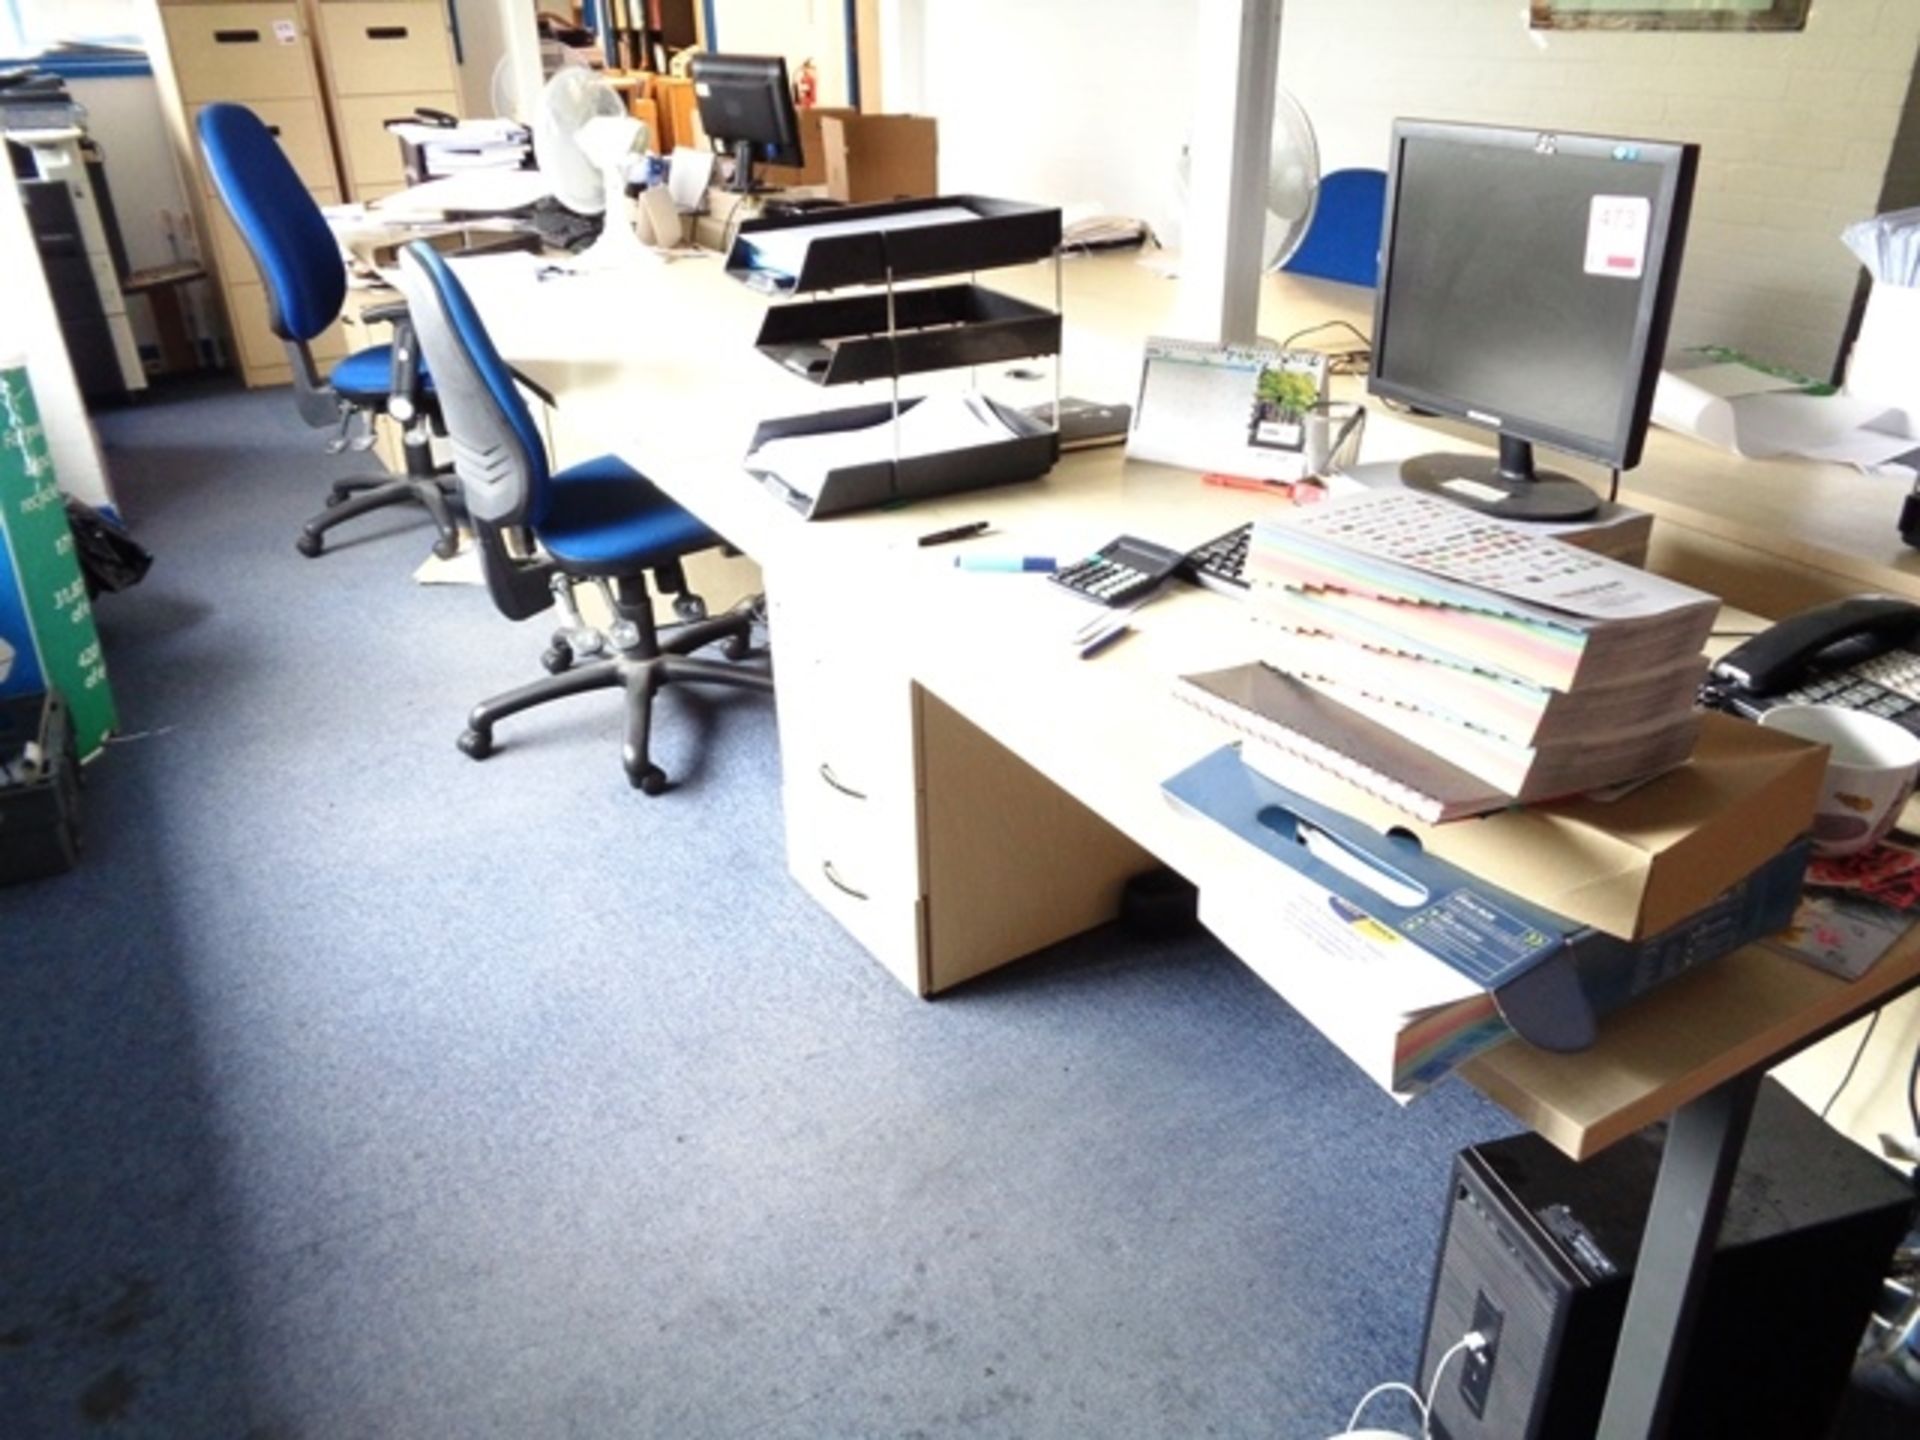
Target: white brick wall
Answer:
[[1795, 130]]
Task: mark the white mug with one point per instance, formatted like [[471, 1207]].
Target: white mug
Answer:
[[1870, 772]]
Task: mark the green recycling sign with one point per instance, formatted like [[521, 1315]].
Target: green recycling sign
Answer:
[[47, 635]]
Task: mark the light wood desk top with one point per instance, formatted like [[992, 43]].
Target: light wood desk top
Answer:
[[660, 365], [680, 340]]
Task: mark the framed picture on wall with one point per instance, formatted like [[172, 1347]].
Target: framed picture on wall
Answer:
[[1668, 14]]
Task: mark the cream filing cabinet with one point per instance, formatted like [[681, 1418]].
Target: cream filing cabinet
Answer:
[[324, 75], [381, 60], [258, 53]]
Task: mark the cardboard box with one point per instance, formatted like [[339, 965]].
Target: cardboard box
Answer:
[[813, 151], [1642, 863], [647, 112], [679, 113], [1396, 953], [880, 157], [1884, 365]]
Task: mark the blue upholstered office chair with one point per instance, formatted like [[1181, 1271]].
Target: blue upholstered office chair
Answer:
[[299, 264], [1343, 242], [600, 522]]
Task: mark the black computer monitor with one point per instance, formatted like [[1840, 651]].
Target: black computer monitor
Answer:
[[1527, 279], [746, 108]]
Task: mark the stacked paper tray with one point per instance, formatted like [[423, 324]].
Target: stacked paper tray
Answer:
[[881, 244], [869, 337], [1014, 446]]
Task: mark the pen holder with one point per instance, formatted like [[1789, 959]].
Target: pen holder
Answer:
[[1332, 439]]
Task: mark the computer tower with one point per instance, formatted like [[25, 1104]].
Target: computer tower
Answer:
[[1539, 1251]]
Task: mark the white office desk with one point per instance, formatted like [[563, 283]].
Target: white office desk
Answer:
[[960, 791]]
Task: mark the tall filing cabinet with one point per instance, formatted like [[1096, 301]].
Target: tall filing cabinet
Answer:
[[381, 60], [260, 54], [324, 75]]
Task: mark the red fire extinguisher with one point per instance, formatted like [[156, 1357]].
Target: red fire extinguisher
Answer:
[[806, 89]]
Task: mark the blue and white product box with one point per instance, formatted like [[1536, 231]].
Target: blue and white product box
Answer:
[[1552, 978]]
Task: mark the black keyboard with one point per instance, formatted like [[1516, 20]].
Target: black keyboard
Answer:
[[1221, 563]]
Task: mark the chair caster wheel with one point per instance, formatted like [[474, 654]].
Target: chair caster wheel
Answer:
[[309, 544], [648, 780], [446, 547], [476, 745], [557, 659], [737, 647]]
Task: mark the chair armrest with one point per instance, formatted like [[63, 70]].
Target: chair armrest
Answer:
[[392, 312], [538, 389], [403, 388]]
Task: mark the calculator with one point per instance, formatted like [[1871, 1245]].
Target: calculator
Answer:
[[1124, 571]]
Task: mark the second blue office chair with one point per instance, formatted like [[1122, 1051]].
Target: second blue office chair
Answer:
[[306, 284], [1343, 242], [600, 522]]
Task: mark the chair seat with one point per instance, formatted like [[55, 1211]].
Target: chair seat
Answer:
[[366, 376], [603, 517]]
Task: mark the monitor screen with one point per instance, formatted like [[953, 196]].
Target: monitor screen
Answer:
[[1526, 283], [746, 108]]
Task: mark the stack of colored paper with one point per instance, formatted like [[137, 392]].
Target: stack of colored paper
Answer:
[[1538, 669]]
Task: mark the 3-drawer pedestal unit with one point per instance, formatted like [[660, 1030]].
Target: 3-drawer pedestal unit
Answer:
[[861, 745]]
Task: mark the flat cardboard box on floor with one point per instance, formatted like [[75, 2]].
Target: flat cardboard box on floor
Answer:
[[881, 157], [1642, 863]]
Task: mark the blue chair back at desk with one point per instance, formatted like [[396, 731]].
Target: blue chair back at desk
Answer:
[[306, 285], [540, 532], [1343, 240]]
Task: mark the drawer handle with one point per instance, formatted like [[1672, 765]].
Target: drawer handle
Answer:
[[386, 32], [826, 869], [236, 37], [826, 774]]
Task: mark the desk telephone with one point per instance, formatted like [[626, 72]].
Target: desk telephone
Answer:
[[1851, 652]]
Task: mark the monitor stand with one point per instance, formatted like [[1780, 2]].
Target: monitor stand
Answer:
[[743, 182], [1509, 486]]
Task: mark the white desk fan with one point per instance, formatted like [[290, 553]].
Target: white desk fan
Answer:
[[1293, 181], [583, 138]]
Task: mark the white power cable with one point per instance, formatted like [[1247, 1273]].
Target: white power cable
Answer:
[[1473, 1341], [1353, 1420]]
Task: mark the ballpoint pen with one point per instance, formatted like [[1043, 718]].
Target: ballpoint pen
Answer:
[[1346, 429], [1036, 564], [1101, 639], [958, 532]]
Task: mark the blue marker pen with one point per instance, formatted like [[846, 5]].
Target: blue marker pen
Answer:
[[1017, 564]]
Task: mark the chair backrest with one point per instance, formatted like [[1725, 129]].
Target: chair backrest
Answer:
[[497, 450], [1343, 242], [283, 228]]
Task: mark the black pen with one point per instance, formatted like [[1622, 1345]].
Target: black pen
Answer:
[[958, 532], [1101, 639]]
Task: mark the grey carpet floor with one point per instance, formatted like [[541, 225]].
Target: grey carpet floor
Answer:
[[351, 1088]]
